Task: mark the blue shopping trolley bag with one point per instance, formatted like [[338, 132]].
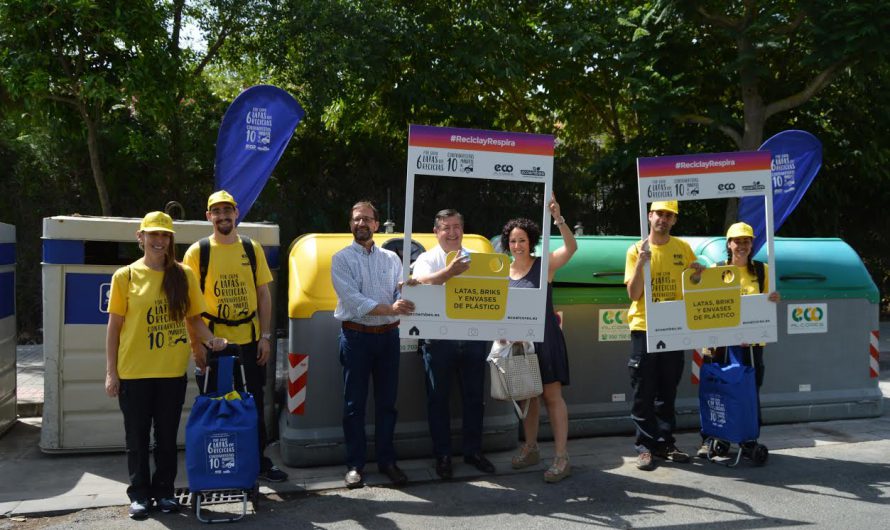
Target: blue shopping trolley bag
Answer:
[[728, 402], [221, 443]]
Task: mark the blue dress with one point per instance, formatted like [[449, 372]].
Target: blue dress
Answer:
[[553, 356]]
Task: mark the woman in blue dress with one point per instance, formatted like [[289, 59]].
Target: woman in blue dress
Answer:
[[519, 237]]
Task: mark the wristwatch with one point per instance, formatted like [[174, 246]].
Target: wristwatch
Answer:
[[559, 221], [267, 336]]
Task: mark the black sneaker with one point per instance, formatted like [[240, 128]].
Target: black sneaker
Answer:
[[168, 505], [139, 509], [671, 453], [273, 474]]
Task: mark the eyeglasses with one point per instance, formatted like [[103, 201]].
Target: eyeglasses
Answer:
[[225, 210], [363, 219]]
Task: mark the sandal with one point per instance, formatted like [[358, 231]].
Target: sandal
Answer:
[[528, 456], [557, 472]]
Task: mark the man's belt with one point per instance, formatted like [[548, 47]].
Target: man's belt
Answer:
[[370, 329]]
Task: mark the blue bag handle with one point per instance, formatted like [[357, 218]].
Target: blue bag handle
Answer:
[[225, 381]]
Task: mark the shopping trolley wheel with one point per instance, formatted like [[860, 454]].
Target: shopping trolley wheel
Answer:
[[721, 448], [759, 455]]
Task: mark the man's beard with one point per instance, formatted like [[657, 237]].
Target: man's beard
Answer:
[[225, 229], [362, 234]]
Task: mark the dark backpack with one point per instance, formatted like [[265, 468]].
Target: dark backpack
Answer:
[[758, 271], [204, 263]]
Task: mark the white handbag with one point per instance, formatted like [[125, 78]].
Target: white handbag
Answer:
[[515, 374]]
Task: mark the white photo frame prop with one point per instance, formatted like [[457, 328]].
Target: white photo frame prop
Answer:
[[696, 177], [478, 154]]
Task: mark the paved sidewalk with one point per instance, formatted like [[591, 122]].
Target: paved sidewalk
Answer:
[[29, 380], [37, 483]]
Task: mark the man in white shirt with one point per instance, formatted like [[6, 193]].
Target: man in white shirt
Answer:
[[442, 357]]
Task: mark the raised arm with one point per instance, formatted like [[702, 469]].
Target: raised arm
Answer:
[[563, 254]]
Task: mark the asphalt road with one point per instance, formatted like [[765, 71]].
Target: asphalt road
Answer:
[[826, 486]]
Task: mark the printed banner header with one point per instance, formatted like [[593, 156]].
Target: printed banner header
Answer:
[[667, 166], [480, 140]]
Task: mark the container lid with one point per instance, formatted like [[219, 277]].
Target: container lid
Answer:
[[806, 268], [123, 229], [599, 261]]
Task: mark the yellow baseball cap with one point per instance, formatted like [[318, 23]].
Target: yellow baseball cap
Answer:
[[221, 196], [157, 222], [740, 230], [668, 206]]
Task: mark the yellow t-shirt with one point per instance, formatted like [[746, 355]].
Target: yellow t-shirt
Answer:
[[748, 280], [229, 290], [150, 344], [667, 265]]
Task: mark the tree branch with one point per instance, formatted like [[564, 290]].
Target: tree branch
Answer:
[[211, 51], [718, 20], [63, 99], [792, 26], [710, 122], [823, 79]]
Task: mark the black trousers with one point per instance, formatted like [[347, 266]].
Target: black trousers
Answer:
[[256, 380], [146, 404], [654, 377]]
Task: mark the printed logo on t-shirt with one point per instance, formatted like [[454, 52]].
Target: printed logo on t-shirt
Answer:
[[231, 297], [161, 330]]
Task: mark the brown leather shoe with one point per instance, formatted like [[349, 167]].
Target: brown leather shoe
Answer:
[[354, 479], [396, 475]]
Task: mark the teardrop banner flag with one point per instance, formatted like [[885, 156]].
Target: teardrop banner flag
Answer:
[[252, 137], [797, 158]]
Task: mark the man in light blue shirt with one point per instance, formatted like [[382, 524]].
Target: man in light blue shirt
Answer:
[[367, 281]]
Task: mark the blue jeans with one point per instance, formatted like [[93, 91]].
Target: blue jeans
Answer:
[[363, 356], [440, 359]]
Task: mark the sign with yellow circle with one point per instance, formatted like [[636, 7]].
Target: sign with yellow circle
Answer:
[[480, 293], [714, 300]]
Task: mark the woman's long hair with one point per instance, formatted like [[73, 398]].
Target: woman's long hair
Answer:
[[175, 285]]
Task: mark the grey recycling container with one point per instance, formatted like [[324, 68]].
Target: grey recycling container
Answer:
[[312, 434], [824, 365], [79, 256]]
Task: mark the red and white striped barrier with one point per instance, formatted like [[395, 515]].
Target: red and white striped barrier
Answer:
[[874, 352], [696, 366], [297, 377]]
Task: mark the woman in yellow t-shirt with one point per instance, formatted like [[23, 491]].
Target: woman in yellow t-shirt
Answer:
[[147, 351], [739, 242]]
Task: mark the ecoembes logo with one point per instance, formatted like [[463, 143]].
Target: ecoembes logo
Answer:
[[808, 314], [614, 317], [807, 318]]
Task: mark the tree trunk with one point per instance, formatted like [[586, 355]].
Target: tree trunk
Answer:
[[95, 161]]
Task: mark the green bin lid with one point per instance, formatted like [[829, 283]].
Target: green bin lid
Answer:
[[806, 268]]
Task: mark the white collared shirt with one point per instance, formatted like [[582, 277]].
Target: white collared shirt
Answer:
[[431, 261], [363, 280]]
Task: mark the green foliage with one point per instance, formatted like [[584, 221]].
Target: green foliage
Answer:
[[612, 79]]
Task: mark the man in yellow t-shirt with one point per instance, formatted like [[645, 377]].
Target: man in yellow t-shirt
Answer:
[[235, 277], [654, 376]]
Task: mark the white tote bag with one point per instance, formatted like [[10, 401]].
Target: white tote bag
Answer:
[[515, 374]]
